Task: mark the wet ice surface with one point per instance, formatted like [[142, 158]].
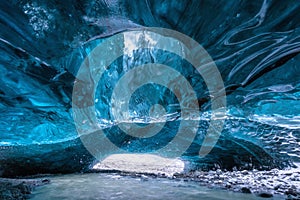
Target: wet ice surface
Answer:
[[115, 186]]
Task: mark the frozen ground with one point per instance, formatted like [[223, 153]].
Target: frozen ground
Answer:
[[261, 183], [128, 176]]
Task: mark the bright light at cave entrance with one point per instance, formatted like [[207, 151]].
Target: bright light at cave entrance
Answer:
[[141, 163]]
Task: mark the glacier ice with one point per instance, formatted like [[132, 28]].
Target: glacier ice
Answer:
[[255, 45]]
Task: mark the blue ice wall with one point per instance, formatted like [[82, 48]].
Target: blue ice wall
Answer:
[[255, 45]]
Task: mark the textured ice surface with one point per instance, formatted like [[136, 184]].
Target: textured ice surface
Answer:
[[255, 45]]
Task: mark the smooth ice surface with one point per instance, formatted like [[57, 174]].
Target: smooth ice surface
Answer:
[[255, 45]]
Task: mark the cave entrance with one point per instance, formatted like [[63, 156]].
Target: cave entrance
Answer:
[[141, 163]]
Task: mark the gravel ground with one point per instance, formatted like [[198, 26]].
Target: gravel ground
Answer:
[[262, 183], [267, 184], [11, 189]]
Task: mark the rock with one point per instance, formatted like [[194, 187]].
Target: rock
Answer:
[[244, 172], [265, 194], [11, 189], [245, 190], [24, 188], [277, 187], [218, 182], [45, 181], [291, 191], [290, 197], [144, 178]]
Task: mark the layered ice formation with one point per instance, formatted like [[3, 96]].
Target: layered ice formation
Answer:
[[255, 46]]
